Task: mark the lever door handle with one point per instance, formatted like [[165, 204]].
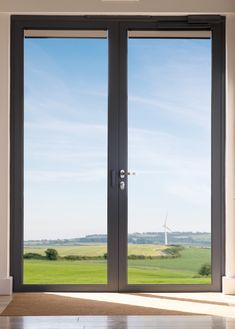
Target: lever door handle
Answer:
[[123, 174], [133, 173]]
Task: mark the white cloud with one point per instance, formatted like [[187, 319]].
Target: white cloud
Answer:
[[197, 116]]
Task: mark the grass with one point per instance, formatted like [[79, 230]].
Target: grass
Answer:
[[64, 272], [180, 270], [160, 276], [82, 250], [97, 249], [145, 249], [177, 270], [191, 259]]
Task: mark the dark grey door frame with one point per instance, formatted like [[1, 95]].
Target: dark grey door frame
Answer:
[[18, 25], [216, 25], [117, 141]]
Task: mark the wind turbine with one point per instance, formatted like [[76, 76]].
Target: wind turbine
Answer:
[[166, 229]]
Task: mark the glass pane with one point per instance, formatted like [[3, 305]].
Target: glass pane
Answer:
[[169, 198], [65, 161]]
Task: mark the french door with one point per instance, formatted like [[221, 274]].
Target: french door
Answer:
[[117, 153]]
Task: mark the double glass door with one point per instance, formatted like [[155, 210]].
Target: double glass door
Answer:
[[120, 165]]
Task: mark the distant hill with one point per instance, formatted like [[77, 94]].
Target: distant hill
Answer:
[[183, 238], [202, 239]]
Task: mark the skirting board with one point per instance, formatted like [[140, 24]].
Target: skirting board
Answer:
[[228, 285], [6, 286]]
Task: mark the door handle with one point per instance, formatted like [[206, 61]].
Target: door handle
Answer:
[[123, 173]]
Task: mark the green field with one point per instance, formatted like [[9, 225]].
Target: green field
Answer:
[[81, 250], [181, 270], [177, 270], [64, 272], [97, 249]]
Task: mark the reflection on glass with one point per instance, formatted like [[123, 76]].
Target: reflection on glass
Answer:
[[169, 198], [65, 161]]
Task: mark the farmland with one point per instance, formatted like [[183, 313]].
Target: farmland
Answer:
[[155, 267]]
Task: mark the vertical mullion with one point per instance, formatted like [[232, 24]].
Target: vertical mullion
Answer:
[[123, 158], [113, 142]]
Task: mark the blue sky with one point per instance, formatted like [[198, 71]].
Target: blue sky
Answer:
[[66, 135]]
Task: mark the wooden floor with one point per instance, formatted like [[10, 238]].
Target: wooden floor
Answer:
[[208, 304], [117, 322], [215, 311]]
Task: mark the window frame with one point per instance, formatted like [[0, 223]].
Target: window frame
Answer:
[[118, 27]]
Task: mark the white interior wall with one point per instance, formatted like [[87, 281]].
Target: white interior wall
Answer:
[[78, 7], [115, 6], [229, 279], [5, 281]]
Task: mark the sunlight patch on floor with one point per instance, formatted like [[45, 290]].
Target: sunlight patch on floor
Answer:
[[198, 303]]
